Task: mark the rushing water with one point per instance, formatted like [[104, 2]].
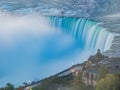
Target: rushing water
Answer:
[[90, 35], [36, 46]]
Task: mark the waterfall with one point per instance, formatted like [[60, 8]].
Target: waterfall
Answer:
[[90, 35], [34, 45]]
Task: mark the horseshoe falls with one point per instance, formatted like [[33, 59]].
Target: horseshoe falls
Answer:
[[35, 46], [89, 34], [39, 38]]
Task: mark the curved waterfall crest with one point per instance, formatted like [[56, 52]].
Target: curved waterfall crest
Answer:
[[90, 35]]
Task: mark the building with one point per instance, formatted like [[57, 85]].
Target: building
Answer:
[[90, 76], [91, 67]]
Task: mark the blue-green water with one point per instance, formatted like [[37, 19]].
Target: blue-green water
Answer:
[[90, 35], [34, 46]]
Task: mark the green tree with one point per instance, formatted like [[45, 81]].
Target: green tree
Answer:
[[63, 83], [2, 88], [9, 86], [37, 88], [117, 74], [78, 84], [25, 84], [110, 82], [102, 72], [78, 79], [52, 83]]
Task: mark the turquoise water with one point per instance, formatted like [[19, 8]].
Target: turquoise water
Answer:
[[90, 35], [34, 46]]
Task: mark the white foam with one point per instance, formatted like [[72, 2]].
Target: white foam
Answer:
[[15, 26]]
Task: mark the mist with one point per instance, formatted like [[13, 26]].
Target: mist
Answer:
[[29, 45]]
